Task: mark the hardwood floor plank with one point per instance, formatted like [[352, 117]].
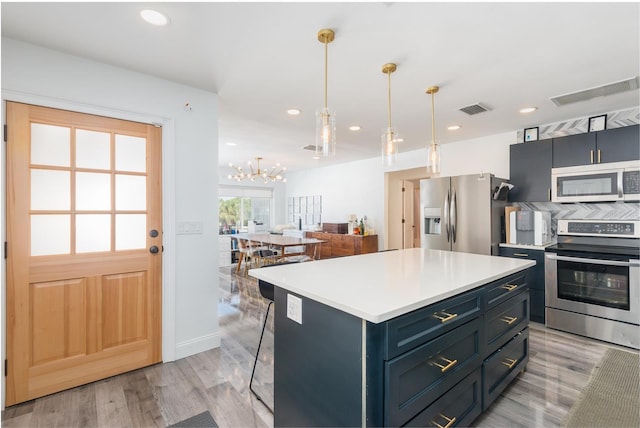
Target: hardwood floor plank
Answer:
[[144, 410], [111, 403]]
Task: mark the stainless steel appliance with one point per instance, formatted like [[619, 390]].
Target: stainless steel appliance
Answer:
[[530, 227], [592, 280], [461, 214], [615, 181]]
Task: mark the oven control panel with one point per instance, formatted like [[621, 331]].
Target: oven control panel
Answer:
[[610, 228]]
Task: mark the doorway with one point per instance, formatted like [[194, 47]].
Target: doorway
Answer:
[[84, 241]]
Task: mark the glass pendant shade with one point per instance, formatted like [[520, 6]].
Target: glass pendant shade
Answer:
[[433, 159], [325, 132], [389, 145]]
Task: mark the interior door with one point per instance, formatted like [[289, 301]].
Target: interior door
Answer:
[[84, 243], [407, 214]]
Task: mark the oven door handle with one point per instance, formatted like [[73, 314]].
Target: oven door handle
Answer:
[[592, 261]]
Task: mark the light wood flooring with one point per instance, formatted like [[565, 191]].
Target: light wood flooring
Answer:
[[217, 380]]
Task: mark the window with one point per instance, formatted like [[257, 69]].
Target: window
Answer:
[[238, 205]]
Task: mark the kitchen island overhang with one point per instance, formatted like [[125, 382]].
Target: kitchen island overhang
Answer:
[[370, 325]]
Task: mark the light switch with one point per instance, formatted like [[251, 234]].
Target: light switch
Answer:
[[294, 308]]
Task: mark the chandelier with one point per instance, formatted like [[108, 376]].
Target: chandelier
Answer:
[[274, 174]]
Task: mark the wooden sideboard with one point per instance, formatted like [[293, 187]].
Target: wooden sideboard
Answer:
[[339, 245]]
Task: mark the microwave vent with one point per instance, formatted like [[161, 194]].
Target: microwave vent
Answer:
[[474, 109], [599, 91]]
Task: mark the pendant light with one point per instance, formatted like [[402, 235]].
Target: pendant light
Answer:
[[433, 156], [325, 119], [389, 140]]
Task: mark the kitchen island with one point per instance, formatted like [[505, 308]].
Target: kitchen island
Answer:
[[407, 337]]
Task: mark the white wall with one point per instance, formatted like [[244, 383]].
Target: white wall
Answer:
[[359, 187], [190, 157]]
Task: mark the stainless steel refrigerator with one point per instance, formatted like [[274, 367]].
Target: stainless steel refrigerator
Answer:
[[461, 214]]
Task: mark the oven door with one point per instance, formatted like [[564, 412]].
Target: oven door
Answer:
[[598, 287]]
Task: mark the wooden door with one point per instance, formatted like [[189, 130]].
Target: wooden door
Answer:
[[84, 290], [407, 214]]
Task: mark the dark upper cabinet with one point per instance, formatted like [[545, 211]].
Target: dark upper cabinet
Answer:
[[618, 144], [572, 150], [609, 145], [530, 171]]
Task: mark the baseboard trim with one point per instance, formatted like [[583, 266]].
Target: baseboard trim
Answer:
[[197, 345]]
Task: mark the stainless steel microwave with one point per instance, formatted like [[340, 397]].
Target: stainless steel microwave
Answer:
[[603, 182]]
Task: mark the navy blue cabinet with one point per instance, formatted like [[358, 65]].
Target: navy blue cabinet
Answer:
[[530, 171], [427, 367], [609, 145], [534, 278]]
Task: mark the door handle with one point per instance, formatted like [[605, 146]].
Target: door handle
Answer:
[[454, 216], [446, 215], [154, 249]]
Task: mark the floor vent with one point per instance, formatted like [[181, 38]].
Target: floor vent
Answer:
[[599, 91], [474, 109]]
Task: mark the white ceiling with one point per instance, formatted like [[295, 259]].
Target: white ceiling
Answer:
[[262, 58]]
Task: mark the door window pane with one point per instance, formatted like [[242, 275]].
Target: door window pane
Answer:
[[50, 234], [50, 190], [131, 231], [92, 149], [93, 233], [131, 192], [93, 191], [131, 153], [50, 145]]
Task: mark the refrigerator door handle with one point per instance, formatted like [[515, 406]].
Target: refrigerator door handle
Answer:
[[454, 216], [445, 215]]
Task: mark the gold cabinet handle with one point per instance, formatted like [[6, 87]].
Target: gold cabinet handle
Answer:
[[521, 254], [446, 317], [450, 421], [509, 287], [598, 155], [509, 320], [509, 362], [548, 194], [591, 156], [447, 366]]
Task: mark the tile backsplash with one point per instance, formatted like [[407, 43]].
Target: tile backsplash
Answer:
[[591, 210]]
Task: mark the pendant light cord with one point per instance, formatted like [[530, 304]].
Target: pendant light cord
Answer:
[[389, 97], [326, 70], [433, 119]]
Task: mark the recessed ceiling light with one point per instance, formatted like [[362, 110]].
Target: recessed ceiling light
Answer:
[[154, 17], [316, 157], [454, 127], [355, 128], [528, 110], [229, 143], [294, 111], [399, 140]]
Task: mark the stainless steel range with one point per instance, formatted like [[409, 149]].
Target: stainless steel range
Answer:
[[592, 279]]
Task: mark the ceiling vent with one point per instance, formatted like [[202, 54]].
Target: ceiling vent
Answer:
[[474, 109], [600, 91], [311, 147]]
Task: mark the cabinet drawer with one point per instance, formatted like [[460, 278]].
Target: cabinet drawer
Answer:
[[505, 320], [534, 275], [417, 327], [343, 242], [416, 379], [503, 289], [504, 365], [458, 407]]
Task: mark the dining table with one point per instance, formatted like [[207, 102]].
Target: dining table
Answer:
[[280, 242]]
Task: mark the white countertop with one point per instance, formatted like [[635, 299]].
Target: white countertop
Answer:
[[380, 286]]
